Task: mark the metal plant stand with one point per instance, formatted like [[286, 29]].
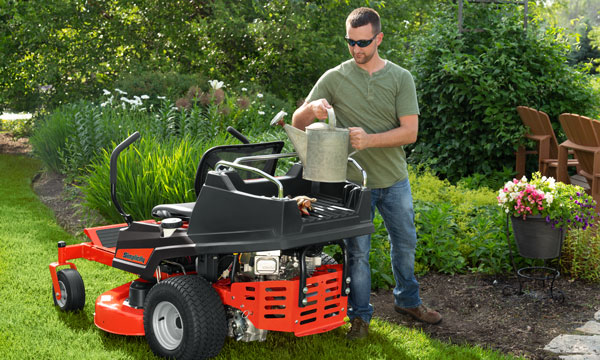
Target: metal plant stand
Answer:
[[540, 274]]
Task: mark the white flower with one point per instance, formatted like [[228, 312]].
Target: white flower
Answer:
[[161, 97], [261, 112], [259, 95], [524, 179], [105, 92], [145, 97], [124, 99], [121, 91], [244, 89], [215, 84]]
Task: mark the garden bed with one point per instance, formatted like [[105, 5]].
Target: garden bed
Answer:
[[474, 307], [476, 311]]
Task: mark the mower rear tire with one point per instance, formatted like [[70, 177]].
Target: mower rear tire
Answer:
[[72, 290], [326, 259], [184, 318]]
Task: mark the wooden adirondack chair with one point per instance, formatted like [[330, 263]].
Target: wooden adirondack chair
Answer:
[[540, 130], [583, 136]]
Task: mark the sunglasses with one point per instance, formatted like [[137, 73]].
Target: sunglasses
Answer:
[[360, 43]]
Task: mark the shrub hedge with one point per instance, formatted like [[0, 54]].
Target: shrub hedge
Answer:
[[470, 83]]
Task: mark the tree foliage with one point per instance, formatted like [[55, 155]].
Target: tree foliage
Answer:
[[55, 51], [470, 83]]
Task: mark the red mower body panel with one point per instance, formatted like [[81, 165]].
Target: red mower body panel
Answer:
[[273, 305]]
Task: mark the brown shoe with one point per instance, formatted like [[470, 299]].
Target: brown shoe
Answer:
[[421, 313], [359, 329]]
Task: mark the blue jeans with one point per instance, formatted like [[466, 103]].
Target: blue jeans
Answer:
[[396, 208]]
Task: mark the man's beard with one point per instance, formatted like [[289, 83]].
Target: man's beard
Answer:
[[363, 59]]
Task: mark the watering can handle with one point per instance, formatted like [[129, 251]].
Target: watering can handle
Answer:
[[331, 116]]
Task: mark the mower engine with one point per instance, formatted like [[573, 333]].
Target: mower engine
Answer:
[[273, 265]]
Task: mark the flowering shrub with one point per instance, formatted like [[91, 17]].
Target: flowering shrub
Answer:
[[564, 206]]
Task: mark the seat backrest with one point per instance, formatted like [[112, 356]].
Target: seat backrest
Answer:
[[539, 124], [582, 131], [232, 152]]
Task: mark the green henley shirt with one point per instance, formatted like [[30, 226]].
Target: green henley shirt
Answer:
[[374, 103]]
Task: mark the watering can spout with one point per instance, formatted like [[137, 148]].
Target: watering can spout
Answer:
[[296, 136]]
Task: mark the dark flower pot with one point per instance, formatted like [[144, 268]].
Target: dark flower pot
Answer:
[[536, 239]]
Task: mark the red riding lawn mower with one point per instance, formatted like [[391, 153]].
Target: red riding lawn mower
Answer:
[[240, 261]]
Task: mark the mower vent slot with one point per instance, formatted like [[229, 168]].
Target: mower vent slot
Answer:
[[332, 297], [330, 314], [308, 321], [308, 312], [331, 306], [108, 237], [274, 316], [276, 289], [326, 208]]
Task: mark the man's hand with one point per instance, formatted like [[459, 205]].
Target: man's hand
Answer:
[[306, 114], [319, 108], [359, 139]]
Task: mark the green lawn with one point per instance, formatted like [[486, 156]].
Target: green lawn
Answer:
[[32, 328]]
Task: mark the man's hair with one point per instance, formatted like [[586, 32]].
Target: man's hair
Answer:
[[364, 16]]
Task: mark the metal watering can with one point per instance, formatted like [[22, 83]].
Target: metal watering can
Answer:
[[322, 149]]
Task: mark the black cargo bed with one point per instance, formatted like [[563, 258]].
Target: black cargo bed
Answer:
[[233, 215]]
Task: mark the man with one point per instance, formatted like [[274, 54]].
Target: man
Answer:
[[376, 100]]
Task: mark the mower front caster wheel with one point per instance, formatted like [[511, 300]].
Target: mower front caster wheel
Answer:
[[72, 291], [184, 318]]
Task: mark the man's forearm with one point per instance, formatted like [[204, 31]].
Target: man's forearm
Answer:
[[309, 111], [405, 134], [303, 116], [393, 138]]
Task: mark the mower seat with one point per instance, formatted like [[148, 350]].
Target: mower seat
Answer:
[[182, 211]]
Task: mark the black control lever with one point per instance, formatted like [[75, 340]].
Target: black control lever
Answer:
[[113, 174], [238, 135]]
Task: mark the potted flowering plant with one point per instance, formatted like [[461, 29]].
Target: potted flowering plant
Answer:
[[542, 210]]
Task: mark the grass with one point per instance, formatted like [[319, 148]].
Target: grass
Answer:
[[32, 328]]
